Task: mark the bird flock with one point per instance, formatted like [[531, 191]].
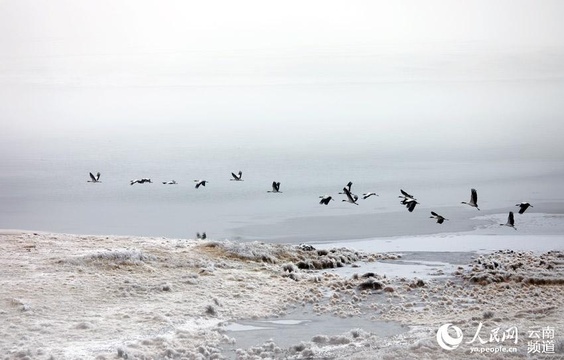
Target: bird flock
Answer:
[[408, 200]]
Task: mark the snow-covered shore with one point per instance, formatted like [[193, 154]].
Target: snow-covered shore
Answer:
[[106, 297]]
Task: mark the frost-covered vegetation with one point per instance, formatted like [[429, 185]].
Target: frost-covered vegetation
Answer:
[[73, 297]]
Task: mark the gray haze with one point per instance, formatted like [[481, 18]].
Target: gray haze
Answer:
[[453, 77]]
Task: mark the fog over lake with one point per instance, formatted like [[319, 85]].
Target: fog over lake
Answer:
[[435, 97]]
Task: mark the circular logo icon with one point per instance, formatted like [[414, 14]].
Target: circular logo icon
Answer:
[[446, 341]]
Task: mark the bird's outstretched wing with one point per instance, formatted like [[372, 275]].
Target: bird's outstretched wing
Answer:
[[511, 219], [406, 194], [474, 196], [522, 208], [92, 177], [434, 214], [98, 176], [352, 198]]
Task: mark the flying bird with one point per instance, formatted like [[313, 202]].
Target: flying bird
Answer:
[[325, 199], [94, 179], [200, 183], [440, 218], [201, 236], [473, 199], [275, 187], [523, 206], [367, 195], [410, 204], [140, 181], [510, 221], [352, 198], [171, 182], [237, 177]]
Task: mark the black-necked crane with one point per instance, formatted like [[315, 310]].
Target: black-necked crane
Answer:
[[352, 198], [440, 218], [171, 182], [369, 194], [325, 199], [523, 206], [140, 181], [473, 199], [94, 179], [201, 236], [275, 187], [200, 183], [237, 177], [510, 221]]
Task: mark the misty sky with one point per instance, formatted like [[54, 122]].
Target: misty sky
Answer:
[[399, 73]]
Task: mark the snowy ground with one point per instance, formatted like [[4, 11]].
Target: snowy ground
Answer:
[[108, 297]]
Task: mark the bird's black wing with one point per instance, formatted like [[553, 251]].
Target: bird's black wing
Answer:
[[474, 196], [98, 176], [522, 208], [92, 177], [406, 194], [434, 214], [511, 219], [348, 194]]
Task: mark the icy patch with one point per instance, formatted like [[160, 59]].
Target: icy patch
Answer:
[[235, 327], [462, 242], [287, 334], [404, 268]]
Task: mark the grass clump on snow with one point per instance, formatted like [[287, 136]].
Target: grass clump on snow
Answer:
[[253, 251], [124, 257]]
